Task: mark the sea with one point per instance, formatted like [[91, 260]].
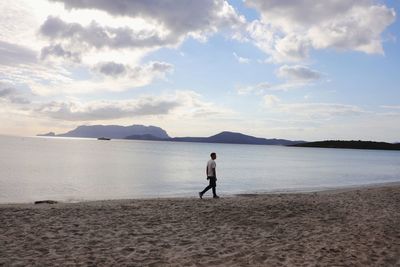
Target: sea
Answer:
[[74, 169]]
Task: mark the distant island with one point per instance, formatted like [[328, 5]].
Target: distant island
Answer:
[[350, 145], [223, 137], [153, 133], [111, 131]]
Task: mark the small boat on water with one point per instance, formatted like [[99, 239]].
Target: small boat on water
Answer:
[[103, 138]]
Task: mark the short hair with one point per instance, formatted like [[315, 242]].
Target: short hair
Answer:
[[213, 154]]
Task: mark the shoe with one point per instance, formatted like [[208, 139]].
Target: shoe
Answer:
[[215, 196], [200, 195]]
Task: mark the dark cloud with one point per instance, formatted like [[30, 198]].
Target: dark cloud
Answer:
[[147, 71], [177, 19], [179, 16], [299, 73], [300, 10], [160, 67], [58, 51], [110, 68], [99, 37], [5, 92]]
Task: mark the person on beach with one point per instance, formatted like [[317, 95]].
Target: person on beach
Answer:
[[211, 176]]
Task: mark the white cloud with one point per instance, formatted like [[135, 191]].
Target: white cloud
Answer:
[[193, 106], [390, 107], [183, 104], [289, 29], [105, 110], [295, 76], [359, 30], [31, 75], [257, 89], [271, 100], [241, 60], [317, 111], [108, 77], [18, 23]]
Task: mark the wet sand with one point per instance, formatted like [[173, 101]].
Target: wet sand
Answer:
[[355, 227]]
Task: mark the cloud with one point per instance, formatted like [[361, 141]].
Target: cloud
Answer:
[[168, 23], [271, 100], [18, 23], [295, 76], [257, 89], [56, 50], [150, 70], [97, 36], [12, 95], [105, 110], [241, 60], [181, 104], [298, 73], [287, 30], [110, 68], [107, 77], [280, 47], [4, 92], [390, 110], [193, 106], [391, 107], [160, 67], [317, 111], [360, 30], [179, 17], [14, 54]]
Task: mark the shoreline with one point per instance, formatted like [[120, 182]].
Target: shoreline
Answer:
[[319, 190], [352, 227]]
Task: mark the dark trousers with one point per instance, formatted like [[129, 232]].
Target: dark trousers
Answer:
[[213, 184]]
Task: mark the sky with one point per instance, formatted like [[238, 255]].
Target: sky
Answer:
[[300, 70]]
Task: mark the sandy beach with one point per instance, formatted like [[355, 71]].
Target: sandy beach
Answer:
[[355, 227]]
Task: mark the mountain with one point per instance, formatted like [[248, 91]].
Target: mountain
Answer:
[[351, 145], [115, 131], [223, 137]]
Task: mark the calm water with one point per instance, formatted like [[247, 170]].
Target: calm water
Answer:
[[84, 169]]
